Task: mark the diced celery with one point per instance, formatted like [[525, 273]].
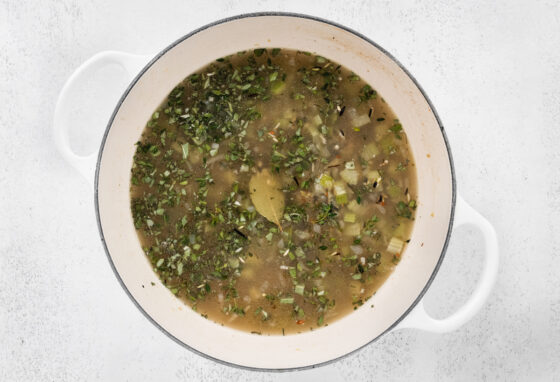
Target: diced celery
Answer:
[[299, 289], [326, 181], [395, 245], [340, 193], [277, 87], [350, 217], [388, 143], [341, 199]]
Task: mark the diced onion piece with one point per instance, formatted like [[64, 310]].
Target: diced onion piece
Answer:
[[395, 245], [350, 176], [234, 262], [353, 206], [319, 190], [311, 129], [214, 150], [373, 176], [357, 249], [317, 120], [350, 217], [319, 139], [339, 188], [370, 151], [303, 235], [360, 120]]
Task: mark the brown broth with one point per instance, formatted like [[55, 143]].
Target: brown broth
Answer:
[[273, 191]]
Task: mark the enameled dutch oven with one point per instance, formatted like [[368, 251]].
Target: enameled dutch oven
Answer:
[[397, 304]]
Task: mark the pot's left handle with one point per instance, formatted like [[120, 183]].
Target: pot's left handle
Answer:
[[418, 318], [131, 63]]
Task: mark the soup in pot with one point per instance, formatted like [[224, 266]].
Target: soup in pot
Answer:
[[273, 191]]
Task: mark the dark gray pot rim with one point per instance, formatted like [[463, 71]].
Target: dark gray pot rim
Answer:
[[264, 14]]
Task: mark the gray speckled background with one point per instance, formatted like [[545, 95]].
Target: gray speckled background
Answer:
[[492, 71]]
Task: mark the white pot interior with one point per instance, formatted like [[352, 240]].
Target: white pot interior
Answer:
[[404, 286]]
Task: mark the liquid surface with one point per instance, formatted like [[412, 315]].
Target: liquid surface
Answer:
[[273, 191]]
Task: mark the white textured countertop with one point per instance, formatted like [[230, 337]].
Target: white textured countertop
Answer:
[[491, 70]]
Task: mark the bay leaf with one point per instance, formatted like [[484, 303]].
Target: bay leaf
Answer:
[[267, 196]]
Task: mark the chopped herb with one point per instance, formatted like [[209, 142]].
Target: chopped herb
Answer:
[[403, 210], [396, 129], [327, 213], [207, 238], [367, 93]]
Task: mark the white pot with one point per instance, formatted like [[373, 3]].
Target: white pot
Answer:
[[398, 302]]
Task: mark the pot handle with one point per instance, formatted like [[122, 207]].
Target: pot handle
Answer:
[[85, 164], [418, 318]]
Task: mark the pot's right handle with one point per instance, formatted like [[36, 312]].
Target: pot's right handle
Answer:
[[85, 164], [418, 318]]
